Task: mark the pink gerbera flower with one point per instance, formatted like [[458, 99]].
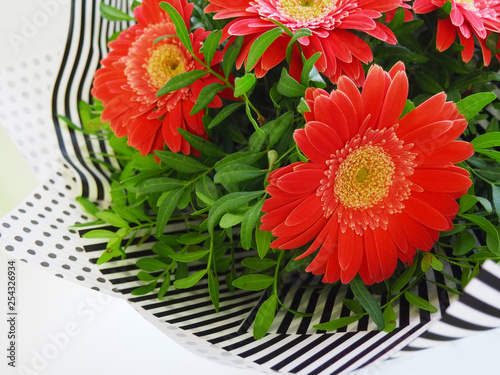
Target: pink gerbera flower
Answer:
[[342, 51], [136, 68], [468, 18], [376, 186]]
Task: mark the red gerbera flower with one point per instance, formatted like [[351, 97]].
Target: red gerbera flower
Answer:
[[136, 68], [468, 18], [376, 186], [342, 51]]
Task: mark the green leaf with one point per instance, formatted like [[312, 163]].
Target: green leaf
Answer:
[[369, 303], [144, 276], [167, 207], [145, 289], [404, 278], [225, 112], [263, 239], [189, 281], [243, 84], [492, 238], [207, 94], [253, 282], [87, 205], [389, 319], [112, 251], [113, 14], [201, 144], [258, 264], [159, 185], [241, 157], [112, 218], [189, 257], [227, 203], [230, 220], [248, 223], [180, 25], [487, 140], [210, 45], [213, 290], [207, 188], [237, 173], [337, 323], [300, 33], [307, 68], [151, 264], [180, 163], [164, 286], [427, 83], [231, 55], [495, 192], [264, 318], [473, 104], [354, 306], [260, 46], [419, 302], [193, 238], [101, 233], [180, 81], [287, 86], [473, 79]]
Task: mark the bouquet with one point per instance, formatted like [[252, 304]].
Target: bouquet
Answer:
[[274, 145]]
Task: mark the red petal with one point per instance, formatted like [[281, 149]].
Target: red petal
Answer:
[[394, 102], [440, 180], [446, 34], [299, 182], [425, 214]]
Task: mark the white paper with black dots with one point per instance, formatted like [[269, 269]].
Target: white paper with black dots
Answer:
[[37, 86]]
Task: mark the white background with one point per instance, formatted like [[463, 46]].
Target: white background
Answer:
[[64, 329]]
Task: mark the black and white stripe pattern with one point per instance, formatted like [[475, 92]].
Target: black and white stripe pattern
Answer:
[[293, 345], [477, 310]]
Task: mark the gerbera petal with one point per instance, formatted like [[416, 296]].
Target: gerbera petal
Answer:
[[425, 214], [395, 100], [441, 180]]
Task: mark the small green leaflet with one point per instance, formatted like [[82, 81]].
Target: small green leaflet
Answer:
[[231, 54], [464, 243], [243, 84], [101, 233], [254, 282], [164, 286], [189, 281], [389, 319], [248, 224], [167, 207], [492, 238], [213, 289], [287, 86], [419, 302], [369, 303], [180, 81], [337, 323], [207, 94], [151, 264], [112, 218], [113, 14], [180, 25], [210, 45], [264, 318], [226, 111], [258, 264], [145, 289], [404, 278], [180, 163], [90, 207], [159, 185], [201, 144], [487, 140], [229, 202], [260, 46], [237, 173], [263, 239], [473, 104], [300, 33]]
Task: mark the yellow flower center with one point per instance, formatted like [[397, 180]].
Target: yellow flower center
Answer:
[[165, 62], [305, 10], [364, 177]]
